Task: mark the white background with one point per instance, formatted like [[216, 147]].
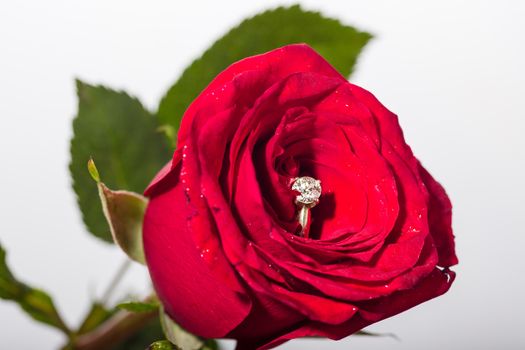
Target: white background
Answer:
[[452, 70]]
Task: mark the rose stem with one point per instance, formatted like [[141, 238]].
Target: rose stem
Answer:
[[112, 332], [124, 267]]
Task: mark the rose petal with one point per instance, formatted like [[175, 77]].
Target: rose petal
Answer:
[[440, 220], [435, 284], [182, 279]]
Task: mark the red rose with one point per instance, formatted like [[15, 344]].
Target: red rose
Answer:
[[220, 232]]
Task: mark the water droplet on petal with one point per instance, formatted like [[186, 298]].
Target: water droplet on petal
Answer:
[[205, 254], [412, 229]]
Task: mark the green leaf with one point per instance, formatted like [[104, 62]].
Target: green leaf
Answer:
[[178, 335], [161, 345], [124, 212], [117, 131], [137, 306], [34, 302], [338, 43]]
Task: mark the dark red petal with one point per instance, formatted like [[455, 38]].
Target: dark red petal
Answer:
[[440, 220], [267, 317], [193, 294], [160, 182], [436, 284]]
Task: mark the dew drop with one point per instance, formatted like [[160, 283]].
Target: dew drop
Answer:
[[205, 253], [274, 268], [412, 229]]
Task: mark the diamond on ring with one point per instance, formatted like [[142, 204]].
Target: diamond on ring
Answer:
[[309, 190]]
